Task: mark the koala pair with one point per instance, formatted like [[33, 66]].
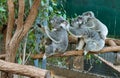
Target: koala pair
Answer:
[[91, 31]]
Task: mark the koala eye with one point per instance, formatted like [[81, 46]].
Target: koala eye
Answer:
[[80, 17], [61, 20], [88, 14]]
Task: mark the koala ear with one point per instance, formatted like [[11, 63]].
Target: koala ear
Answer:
[[52, 21], [88, 13], [64, 25]]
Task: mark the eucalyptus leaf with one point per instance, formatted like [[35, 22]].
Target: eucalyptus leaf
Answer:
[[50, 9], [64, 16], [2, 9], [42, 3]]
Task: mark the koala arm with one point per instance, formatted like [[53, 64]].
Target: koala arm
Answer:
[[74, 32], [89, 24], [52, 35]]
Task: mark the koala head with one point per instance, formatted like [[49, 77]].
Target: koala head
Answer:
[[76, 22], [88, 14], [59, 22]]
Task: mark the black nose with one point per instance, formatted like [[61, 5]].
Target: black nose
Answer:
[[62, 21]]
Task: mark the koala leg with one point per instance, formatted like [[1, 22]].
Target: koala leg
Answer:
[[80, 44], [102, 36]]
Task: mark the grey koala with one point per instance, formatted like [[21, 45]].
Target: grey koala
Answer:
[[58, 35], [90, 21], [91, 38]]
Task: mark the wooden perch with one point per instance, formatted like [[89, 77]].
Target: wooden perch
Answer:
[[107, 41], [76, 53], [24, 70], [80, 52], [108, 63], [2, 56], [115, 40], [112, 43]]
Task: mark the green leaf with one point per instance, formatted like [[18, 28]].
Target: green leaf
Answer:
[[42, 3], [2, 9], [64, 16], [54, 4], [19, 60], [50, 9]]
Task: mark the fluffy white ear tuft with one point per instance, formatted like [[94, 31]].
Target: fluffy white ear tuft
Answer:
[[65, 25], [85, 52]]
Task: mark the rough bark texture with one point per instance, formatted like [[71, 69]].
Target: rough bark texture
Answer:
[[19, 34], [25, 70], [115, 40], [80, 52], [13, 40]]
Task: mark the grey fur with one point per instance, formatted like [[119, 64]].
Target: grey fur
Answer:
[[58, 35], [91, 37], [90, 21]]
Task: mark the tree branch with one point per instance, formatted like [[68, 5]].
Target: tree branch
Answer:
[[28, 23], [20, 14], [31, 17], [80, 52], [76, 53], [108, 63], [10, 21], [115, 40], [25, 70]]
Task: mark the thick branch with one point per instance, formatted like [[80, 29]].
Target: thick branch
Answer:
[[115, 40], [80, 52], [24, 70], [76, 53], [108, 63], [31, 17], [2, 56], [17, 37], [20, 14], [28, 23], [107, 41], [10, 21], [111, 43]]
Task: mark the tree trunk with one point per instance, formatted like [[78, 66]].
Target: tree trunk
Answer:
[[13, 40]]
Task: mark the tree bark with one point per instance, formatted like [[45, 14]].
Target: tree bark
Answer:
[[75, 53], [117, 41], [80, 52], [13, 40], [25, 70], [19, 34]]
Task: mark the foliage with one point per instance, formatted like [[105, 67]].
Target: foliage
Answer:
[[3, 12], [46, 11]]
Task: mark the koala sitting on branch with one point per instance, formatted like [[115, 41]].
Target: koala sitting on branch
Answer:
[[90, 21], [90, 38], [58, 35]]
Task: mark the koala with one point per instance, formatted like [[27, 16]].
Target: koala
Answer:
[[90, 21], [91, 38], [58, 35]]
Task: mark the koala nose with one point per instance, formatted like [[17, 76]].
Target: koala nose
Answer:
[[66, 23]]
